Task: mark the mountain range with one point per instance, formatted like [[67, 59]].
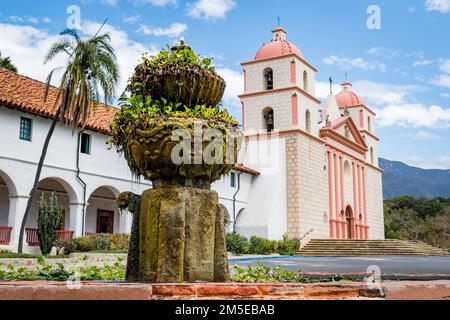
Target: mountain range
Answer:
[[401, 179]]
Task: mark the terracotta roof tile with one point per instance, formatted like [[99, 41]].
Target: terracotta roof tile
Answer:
[[242, 168], [27, 95]]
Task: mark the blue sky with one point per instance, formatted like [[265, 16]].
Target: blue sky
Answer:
[[402, 69]]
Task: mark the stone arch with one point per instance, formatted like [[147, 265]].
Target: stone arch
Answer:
[[102, 213], [308, 121], [268, 79], [7, 189], [305, 81], [268, 119], [65, 195]]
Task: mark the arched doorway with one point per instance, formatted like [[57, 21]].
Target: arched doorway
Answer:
[[102, 213], [7, 189], [349, 222], [65, 195]]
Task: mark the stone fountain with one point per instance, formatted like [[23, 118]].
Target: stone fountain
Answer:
[[178, 231]]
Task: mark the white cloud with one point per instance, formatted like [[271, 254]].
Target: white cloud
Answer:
[[27, 47], [131, 19], [442, 162], [235, 87], [413, 115], [445, 95], [112, 3], [210, 9], [422, 63], [423, 136], [357, 63], [384, 52], [442, 6], [445, 66], [157, 3], [175, 30], [442, 80]]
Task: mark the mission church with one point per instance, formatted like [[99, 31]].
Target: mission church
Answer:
[[323, 180], [306, 170]]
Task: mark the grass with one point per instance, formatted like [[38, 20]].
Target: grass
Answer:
[[109, 251], [11, 255]]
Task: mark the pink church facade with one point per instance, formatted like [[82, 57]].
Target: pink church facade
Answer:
[[323, 180]]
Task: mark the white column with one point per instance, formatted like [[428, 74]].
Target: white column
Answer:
[[125, 222], [76, 218], [17, 206]]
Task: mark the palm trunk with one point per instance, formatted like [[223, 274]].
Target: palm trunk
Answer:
[[37, 178]]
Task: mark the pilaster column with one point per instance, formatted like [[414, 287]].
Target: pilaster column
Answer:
[[330, 194], [125, 220], [342, 193], [17, 206], [76, 219], [355, 202], [366, 226], [336, 196]]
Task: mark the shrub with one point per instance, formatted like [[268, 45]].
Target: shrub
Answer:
[[48, 220], [83, 244], [260, 245], [4, 251], [237, 244], [100, 242], [288, 247], [119, 241]]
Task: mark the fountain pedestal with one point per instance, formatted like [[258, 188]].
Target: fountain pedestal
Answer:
[[182, 236]]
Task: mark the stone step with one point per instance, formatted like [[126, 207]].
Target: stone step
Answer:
[[351, 247]]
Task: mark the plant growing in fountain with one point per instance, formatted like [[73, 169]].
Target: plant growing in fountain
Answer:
[[48, 221], [174, 132]]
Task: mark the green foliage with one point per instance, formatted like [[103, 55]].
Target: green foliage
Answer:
[[48, 221], [181, 55], [427, 220], [118, 243], [7, 64], [263, 274], [58, 272], [237, 244], [91, 73]]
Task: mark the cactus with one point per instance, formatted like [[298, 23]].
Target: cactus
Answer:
[[48, 221]]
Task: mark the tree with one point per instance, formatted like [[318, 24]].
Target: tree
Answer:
[[7, 64], [91, 70], [48, 221]]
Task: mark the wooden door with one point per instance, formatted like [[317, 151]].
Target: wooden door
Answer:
[[105, 221]]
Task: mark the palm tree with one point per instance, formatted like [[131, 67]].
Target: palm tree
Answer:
[[91, 71], [7, 64]]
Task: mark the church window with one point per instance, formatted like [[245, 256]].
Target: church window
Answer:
[[25, 129], [233, 180], [308, 121], [369, 124], [85, 146], [372, 156], [268, 79], [268, 118], [305, 80]]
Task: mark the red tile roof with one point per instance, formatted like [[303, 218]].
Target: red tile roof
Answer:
[[27, 95], [242, 168]]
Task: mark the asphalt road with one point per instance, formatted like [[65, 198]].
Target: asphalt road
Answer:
[[387, 265]]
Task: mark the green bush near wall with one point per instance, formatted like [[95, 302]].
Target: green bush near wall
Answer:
[[238, 244], [101, 242]]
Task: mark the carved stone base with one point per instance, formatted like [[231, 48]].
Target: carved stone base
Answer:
[[182, 236]]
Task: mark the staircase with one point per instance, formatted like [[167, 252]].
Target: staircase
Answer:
[[390, 247]]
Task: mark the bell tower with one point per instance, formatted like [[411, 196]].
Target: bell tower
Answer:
[[279, 89]]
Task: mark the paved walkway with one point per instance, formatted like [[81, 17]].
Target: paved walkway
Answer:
[[387, 264]]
